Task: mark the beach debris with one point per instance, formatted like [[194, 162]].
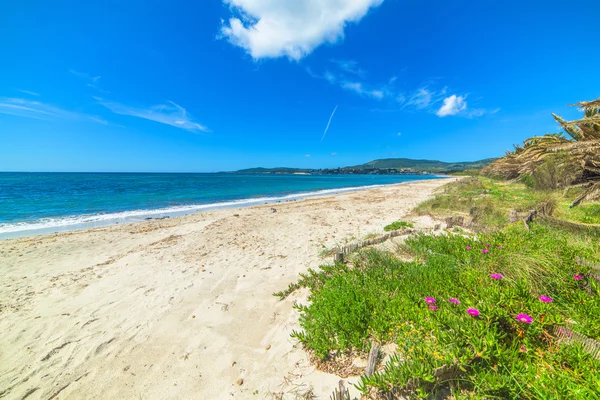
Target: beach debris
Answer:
[[273, 210], [268, 347], [240, 382], [236, 215]]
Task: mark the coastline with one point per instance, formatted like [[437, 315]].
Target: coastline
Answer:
[[179, 307], [89, 221]]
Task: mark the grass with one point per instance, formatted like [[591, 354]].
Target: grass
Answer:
[[489, 203], [394, 226], [383, 298]]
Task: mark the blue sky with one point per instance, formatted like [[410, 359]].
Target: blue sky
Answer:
[[220, 85]]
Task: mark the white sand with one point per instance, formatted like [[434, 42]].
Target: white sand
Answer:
[[179, 308]]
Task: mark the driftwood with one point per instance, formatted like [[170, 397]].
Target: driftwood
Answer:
[[372, 360], [568, 336], [340, 254], [340, 393], [451, 222]]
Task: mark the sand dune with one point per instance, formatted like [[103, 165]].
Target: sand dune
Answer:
[[180, 308]]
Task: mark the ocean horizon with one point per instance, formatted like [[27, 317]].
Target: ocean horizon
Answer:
[[33, 203]]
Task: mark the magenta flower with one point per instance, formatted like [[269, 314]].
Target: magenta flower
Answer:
[[577, 277], [429, 300], [432, 308], [524, 318], [473, 312], [468, 247], [453, 300], [546, 299], [496, 276], [523, 349], [485, 251], [487, 245]]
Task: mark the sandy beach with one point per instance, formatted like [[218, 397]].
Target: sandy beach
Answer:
[[179, 308]]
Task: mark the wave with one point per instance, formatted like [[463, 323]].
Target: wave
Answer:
[[47, 225]]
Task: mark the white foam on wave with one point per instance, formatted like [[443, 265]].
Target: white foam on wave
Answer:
[[49, 225]]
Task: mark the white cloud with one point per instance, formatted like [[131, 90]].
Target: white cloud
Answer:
[[350, 67], [85, 75], [29, 92], [421, 98], [169, 114], [452, 105], [99, 120], [334, 154], [292, 28], [307, 155], [358, 87], [38, 110]]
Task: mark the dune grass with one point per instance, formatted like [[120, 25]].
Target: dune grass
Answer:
[[473, 314]]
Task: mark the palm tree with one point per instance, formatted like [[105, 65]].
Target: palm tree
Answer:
[[574, 152]]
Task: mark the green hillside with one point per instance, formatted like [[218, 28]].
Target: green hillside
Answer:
[[424, 165]]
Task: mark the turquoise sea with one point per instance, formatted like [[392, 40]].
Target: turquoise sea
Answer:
[[36, 203]]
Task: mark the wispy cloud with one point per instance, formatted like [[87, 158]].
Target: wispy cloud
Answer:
[[359, 88], [169, 114], [85, 75], [350, 67], [29, 92], [307, 155], [99, 120], [38, 110], [334, 154], [328, 123]]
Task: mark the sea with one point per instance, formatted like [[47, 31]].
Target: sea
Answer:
[[42, 203]]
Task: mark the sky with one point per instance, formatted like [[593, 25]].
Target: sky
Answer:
[[217, 85]]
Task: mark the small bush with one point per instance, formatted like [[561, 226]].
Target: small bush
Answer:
[[394, 226]]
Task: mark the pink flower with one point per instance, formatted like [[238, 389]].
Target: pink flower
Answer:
[[523, 349], [432, 308], [487, 245], [485, 251], [577, 277], [453, 300], [473, 312], [468, 247], [500, 247], [524, 318], [429, 300], [546, 299], [496, 276]]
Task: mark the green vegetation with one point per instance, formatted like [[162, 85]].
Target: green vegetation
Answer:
[[560, 160], [525, 283], [394, 226], [489, 202], [382, 166], [432, 166]]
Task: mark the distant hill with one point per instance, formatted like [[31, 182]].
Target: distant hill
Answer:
[[424, 165], [387, 165]]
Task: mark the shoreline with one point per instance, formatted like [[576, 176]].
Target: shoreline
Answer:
[[180, 307], [91, 221]]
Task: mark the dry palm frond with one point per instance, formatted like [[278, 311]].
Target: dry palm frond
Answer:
[[573, 156]]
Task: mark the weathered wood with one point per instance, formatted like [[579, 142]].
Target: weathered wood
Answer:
[[568, 336], [372, 360], [338, 257], [451, 222], [513, 216], [340, 393]]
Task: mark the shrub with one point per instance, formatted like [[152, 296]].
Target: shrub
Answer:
[[394, 226], [494, 351]]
